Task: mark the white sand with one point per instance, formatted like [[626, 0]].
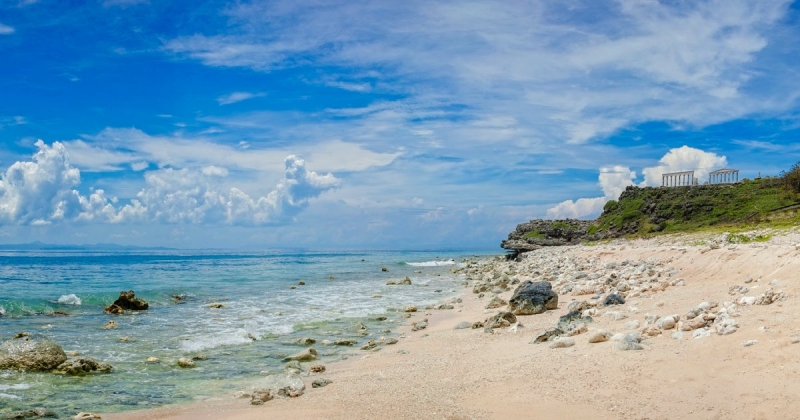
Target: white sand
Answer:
[[460, 374]]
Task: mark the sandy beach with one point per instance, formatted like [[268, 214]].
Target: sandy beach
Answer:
[[742, 368]]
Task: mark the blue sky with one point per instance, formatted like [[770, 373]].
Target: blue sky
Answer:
[[363, 124]]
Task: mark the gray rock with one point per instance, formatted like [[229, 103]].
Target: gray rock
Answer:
[[420, 325], [82, 366], [31, 352], [260, 396], [749, 343], [501, 320], [546, 335], [305, 341], [628, 345], [572, 320], [667, 322], [532, 298], [321, 382], [579, 305], [344, 343], [496, 302], [614, 299], [701, 333], [463, 325]]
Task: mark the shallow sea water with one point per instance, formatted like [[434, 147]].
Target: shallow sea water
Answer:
[[254, 288]]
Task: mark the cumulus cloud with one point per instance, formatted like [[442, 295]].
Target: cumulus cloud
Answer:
[[43, 191], [684, 159], [613, 180]]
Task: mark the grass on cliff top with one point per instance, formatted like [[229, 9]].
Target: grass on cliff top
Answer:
[[733, 207]]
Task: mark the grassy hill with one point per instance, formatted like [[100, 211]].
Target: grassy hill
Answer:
[[681, 209]]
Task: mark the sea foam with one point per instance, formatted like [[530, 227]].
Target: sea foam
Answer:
[[437, 263], [70, 299]]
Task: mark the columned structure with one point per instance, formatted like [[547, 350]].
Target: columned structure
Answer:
[[678, 179], [723, 176]]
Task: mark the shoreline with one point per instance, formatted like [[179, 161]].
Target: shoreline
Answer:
[[442, 372]]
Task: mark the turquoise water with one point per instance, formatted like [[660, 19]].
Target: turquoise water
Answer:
[[259, 303]]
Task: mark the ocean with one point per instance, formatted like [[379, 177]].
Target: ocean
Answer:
[[258, 302]]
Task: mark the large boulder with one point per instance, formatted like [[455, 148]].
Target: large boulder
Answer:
[[532, 298], [31, 352], [126, 301]]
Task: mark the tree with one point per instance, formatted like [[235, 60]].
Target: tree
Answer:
[[791, 179]]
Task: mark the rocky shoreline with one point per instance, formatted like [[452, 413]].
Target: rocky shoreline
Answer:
[[632, 320]]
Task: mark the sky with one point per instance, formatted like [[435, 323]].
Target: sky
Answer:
[[374, 124]]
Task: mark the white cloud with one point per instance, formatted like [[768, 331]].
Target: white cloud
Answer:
[[684, 158], [234, 97], [6, 30], [43, 191], [558, 73], [612, 180], [102, 152]]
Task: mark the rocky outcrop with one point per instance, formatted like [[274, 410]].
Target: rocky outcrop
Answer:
[[31, 352], [532, 298], [539, 233], [126, 301]]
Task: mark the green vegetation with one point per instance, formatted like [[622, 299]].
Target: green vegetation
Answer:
[[534, 234], [750, 203]]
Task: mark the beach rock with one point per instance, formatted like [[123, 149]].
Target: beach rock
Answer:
[[632, 325], [501, 320], [260, 396], [614, 299], [371, 344], [477, 324], [126, 301], [305, 341], [33, 413], [546, 335], [31, 352], [152, 360], [411, 308], [562, 342], [667, 322], [110, 325], [599, 336], [405, 282], [316, 369], [701, 333], [725, 325], [303, 356], [82, 366], [629, 341], [419, 325], [496, 302], [320, 383], [215, 306], [532, 298], [294, 390], [345, 342], [445, 306], [462, 325], [384, 269], [186, 363], [615, 315], [86, 416], [576, 329], [749, 343], [579, 305], [572, 320], [769, 296]]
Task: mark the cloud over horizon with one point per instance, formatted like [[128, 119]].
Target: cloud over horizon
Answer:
[[44, 191]]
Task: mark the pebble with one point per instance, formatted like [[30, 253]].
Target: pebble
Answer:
[[701, 333], [749, 343], [599, 336], [562, 342], [463, 325]]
